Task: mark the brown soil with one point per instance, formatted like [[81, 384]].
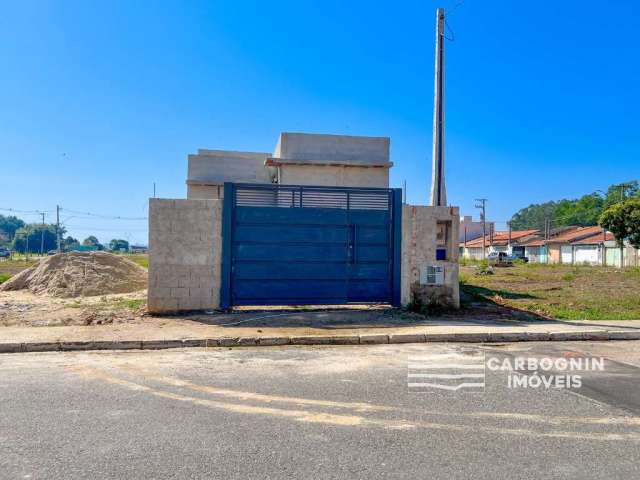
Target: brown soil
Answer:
[[78, 274], [24, 309]]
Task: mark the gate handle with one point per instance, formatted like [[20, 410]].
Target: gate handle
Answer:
[[352, 243]]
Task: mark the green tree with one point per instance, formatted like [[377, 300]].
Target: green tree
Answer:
[[92, 241], [614, 192], [119, 245], [623, 220], [583, 211], [8, 227], [34, 237], [69, 244], [533, 216]]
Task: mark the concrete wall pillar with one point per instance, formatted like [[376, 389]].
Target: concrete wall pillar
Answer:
[[419, 230], [185, 243]]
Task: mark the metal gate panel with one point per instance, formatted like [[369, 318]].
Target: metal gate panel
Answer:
[[293, 245]]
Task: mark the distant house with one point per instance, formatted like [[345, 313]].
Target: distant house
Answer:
[[138, 249], [612, 249], [574, 245], [500, 241], [590, 250], [561, 247], [535, 250]]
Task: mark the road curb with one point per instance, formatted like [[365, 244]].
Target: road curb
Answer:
[[364, 339]]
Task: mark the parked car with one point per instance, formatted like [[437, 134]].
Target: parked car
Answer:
[[4, 253], [503, 259]]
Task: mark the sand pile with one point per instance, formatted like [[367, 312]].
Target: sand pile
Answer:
[[79, 274]]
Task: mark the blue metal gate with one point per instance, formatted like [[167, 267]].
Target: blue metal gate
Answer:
[[306, 245]]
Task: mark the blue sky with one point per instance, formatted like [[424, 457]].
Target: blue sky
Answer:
[[100, 99]]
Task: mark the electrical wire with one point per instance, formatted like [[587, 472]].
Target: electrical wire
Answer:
[[26, 212], [104, 217]]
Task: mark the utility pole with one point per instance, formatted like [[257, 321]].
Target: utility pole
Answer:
[[42, 236], [509, 241], [438, 193], [604, 247], [546, 237], [482, 206], [404, 192], [623, 188], [154, 189], [58, 227]]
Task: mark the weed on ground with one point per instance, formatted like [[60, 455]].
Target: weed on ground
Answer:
[[559, 291]]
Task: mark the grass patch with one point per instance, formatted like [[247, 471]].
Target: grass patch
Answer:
[[12, 267], [142, 260], [129, 304], [560, 291], [4, 277]]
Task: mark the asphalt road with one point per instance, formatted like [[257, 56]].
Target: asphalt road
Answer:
[[317, 413]]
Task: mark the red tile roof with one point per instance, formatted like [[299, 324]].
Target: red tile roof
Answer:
[[595, 239], [500, 238], [536, 242], [577, 233], [575, 236]]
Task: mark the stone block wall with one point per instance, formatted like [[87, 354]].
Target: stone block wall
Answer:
[[185, 254], [419, 230]]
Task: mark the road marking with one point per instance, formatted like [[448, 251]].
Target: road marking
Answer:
[[307, 416], [357, 406], [298, 415]]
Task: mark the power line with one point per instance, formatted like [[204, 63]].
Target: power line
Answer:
[[102, 229], [26, 212], [105, 217], [77, 214]]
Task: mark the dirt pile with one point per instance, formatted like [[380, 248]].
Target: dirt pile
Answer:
[[79, 274]]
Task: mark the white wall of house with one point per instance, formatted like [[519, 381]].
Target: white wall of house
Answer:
[[589, 254], [473, 253], [474, 229]]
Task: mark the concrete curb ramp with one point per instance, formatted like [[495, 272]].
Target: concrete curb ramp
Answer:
[[371, 339]]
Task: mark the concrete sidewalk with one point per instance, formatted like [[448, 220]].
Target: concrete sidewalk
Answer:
[[305, 328]]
